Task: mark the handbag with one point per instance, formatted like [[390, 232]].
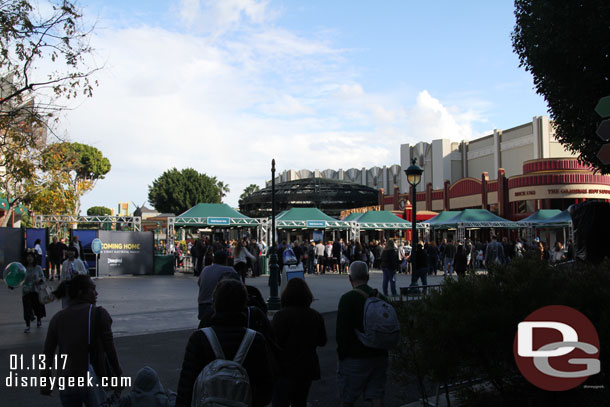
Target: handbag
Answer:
[[45, 293], [97, 395]]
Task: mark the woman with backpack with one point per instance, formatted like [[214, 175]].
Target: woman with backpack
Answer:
[[228, 330], [298, 330]]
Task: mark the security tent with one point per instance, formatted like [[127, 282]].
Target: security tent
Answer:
[[540, 217], [476, 218], [562, 219], [214, 215], [308, 218], [441, 218], [383, 220]]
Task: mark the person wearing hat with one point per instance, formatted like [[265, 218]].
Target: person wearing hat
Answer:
[[208, 279]]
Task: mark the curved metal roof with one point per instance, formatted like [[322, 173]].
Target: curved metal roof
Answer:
[[330, 196]]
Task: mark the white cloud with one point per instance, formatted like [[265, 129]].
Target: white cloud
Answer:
[[226, 104], [429, 119]]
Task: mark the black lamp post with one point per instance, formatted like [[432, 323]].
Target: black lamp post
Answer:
[[413, 173], [273, 301]]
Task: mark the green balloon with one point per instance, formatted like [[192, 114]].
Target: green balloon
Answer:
[[14, 274]]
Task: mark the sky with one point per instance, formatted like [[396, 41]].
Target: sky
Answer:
[[225, 86]]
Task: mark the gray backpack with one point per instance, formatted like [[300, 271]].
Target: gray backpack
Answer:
[[380, 323], [224, 382]]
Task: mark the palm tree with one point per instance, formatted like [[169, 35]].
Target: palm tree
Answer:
[[250, 189], [223, 189]]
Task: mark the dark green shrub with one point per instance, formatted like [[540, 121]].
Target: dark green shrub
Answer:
[[466, 332]]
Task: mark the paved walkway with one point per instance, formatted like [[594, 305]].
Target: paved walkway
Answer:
[[153, 318]]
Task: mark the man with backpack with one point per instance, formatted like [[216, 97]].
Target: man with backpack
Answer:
[[226, 363], [363, 368]]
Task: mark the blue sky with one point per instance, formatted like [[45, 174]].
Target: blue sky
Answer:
[[225, 86]]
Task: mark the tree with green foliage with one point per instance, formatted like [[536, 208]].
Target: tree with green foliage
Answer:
[[177, 191], [223, 188], [99, 211], [564, 44], [249, 190], [44, 58], [72, 169]]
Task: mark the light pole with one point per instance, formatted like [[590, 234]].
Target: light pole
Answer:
[[274, 300], [413, 173]]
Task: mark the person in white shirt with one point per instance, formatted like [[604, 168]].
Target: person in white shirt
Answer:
[[70, 268]]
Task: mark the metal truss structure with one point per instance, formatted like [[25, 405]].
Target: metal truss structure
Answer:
[[54, 220], [203, 221], [302, 224]]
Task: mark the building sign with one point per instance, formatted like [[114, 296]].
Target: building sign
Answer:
[[562, 192], [126, 253], [219, 221], [316, 224]]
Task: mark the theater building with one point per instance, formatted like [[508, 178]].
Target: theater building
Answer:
[[513, 173]]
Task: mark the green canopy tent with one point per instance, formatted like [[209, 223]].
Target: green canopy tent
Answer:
[[211, 215], [440, 218], [474, 219], [536, 220], [383, 220], [562, 219], [308, 218], [214, 215], [540, 217], [352, 217]]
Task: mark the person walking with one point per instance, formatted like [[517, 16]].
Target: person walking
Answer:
[[420, 266], [82, 332], [448, 255], [299, 330], [228, 327], [460, 262], [389, 266], [433, 257], [210, 276], [56, 255], [240, 260], [494, 253], [361, 370], [32, 308]]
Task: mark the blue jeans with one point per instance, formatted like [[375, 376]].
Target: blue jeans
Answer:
[[362, 376], [388, 277], [448, 266]]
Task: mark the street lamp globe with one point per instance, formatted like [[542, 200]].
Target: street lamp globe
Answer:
[[414, 173]]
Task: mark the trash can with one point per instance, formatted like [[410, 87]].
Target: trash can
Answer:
[[163, 265], [262, 265]]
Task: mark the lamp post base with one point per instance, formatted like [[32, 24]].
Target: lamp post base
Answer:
[[273, 302]]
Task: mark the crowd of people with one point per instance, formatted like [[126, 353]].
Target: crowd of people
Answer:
[[276, 359]]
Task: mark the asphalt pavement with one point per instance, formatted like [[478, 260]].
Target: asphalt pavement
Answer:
[[153, 318]]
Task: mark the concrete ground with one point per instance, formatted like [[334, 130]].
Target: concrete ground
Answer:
[[153, 318]]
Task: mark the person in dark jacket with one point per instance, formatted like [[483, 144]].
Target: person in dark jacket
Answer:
[[389, 266], [229, 325], [68, 331], [433, 257], [420, 265], [460, 262], [298, 331]]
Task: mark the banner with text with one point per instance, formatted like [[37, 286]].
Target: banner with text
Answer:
[[126, 253]]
